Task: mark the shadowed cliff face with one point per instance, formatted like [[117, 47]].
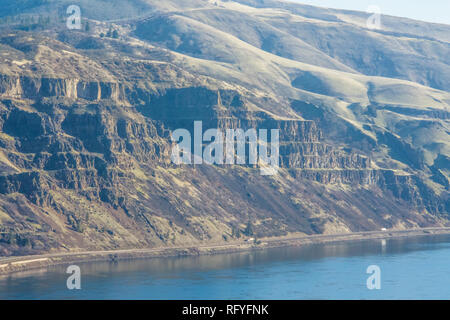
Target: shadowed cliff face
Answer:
[[85, 130]]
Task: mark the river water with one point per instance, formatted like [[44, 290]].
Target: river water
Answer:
[[412, 268]]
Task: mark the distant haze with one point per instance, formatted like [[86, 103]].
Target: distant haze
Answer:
[[432, 11]]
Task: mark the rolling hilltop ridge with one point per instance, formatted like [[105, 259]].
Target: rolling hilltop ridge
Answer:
[[86, 118]]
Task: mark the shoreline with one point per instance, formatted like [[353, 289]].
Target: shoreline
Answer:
[[10, 265]]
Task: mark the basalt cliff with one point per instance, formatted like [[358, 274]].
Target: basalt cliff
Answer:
[[86, 118]]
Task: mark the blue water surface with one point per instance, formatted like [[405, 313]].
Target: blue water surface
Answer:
[[416, 268]]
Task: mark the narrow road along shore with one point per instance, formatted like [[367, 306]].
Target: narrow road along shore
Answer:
[[17, 264]]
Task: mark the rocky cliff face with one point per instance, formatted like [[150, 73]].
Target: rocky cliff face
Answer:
[[36, 88], [99, 175], [85, 145]]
